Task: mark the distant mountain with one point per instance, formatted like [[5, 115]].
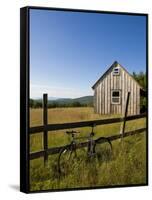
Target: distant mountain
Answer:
[[84, 100], [63, 99], [53, 98], [38, 99], [81, 100], [63, 102]]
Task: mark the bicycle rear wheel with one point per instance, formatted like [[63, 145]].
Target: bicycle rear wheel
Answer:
[[103, 149]]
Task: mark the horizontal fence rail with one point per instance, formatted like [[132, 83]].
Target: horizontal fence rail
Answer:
[[53, 127], [56, 150]]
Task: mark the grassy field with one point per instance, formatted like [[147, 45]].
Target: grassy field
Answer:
[[126, 165]]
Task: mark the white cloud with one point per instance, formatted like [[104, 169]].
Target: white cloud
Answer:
[[37, 91]]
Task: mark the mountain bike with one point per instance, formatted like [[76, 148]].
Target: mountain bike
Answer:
[[71, 154]]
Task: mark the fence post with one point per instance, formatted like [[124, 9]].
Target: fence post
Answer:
[[122, 129], [45, 122]]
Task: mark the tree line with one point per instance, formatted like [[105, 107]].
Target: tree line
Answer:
[[55, 104], [142, 80]]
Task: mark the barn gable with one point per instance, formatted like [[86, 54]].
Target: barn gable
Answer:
[[115, 64], [110, 91]]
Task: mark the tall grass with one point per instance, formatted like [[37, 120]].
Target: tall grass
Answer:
[[127, 163], [62, 115]]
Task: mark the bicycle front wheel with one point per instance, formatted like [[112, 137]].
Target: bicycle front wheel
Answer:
[[103, 149], [66, 160]]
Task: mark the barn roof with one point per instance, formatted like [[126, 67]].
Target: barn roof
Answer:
[[112, 66]]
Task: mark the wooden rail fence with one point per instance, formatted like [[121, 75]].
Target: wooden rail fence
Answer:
[[52, 127]]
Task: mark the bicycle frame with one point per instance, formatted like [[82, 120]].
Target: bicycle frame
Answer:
[[91, 142]]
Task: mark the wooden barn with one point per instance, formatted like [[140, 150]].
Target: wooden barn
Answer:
[[110, 92]]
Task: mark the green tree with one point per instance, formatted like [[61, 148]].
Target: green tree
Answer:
[[76, 104], [141, 79], [31, 103]]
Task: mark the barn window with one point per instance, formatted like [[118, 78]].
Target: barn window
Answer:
[[116, 71], [115, 97]]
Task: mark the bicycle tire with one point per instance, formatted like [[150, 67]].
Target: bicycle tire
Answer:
[[65, 159], [103, 148]]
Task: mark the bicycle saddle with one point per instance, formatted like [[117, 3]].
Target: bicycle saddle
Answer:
[[72, 132]]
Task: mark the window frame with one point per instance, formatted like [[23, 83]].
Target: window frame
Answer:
[[114, 73], [116, 90]]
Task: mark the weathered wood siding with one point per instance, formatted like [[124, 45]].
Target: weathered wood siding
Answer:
[[123, 82]]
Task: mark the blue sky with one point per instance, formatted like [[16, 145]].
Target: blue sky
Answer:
[[69, 51]]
